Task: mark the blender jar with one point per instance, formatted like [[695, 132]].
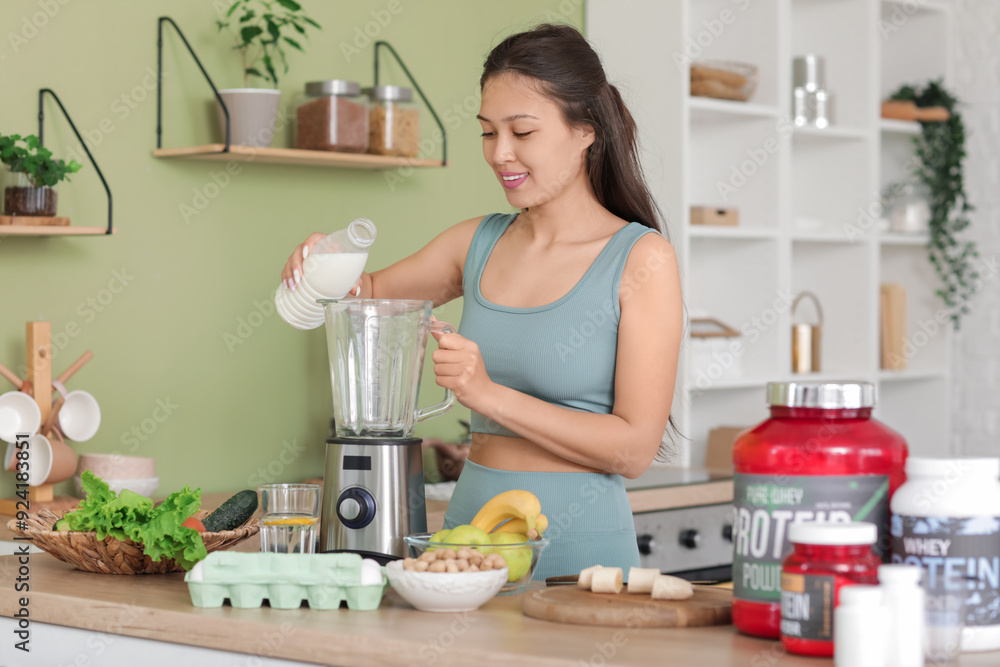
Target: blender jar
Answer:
[[376, 350]]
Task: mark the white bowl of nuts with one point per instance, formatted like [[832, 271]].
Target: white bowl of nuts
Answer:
[[448, 579]]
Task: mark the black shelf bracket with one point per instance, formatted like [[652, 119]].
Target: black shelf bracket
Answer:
[[159, 80], [416, 86], [41, 140]]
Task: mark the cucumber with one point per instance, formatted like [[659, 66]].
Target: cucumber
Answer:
[[233, 513], [61, 524]]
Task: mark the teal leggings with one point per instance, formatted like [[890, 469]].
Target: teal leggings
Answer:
[[590, 520]]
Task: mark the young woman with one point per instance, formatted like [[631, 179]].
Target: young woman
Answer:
[[571, 326]]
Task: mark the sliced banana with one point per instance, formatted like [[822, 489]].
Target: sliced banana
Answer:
[[666, 587], [586, 576], [640, 579], [607, 580]]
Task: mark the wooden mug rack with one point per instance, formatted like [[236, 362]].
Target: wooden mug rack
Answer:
[[38, 384]]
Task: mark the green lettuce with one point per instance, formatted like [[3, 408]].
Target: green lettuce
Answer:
[[163, 535], [129, 515]]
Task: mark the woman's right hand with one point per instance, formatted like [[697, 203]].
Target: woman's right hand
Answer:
[[291, 274]]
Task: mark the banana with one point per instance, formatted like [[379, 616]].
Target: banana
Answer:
[[520, 527], [516, 504]]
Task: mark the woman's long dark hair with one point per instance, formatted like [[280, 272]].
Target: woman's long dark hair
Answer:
[[571, 74]]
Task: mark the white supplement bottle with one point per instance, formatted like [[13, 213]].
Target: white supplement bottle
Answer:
[[946, 519], [903, 601], [330, 271], [860, 627]]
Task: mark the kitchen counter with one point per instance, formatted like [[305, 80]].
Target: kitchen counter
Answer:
[[87, 615], [158, 607]]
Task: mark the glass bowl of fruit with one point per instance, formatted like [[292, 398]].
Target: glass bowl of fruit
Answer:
[[486, 551]]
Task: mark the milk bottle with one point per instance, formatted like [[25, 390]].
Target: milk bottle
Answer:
[[329, 272]]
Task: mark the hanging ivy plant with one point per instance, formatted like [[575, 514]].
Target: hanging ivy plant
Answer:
[[940, 151]]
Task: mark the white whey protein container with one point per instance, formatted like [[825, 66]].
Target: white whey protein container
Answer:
[[946, 519]]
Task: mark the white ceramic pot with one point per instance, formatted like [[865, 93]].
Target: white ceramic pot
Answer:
[[252, 115]]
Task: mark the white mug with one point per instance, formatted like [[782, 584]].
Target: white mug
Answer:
[[19, 415], [49, 461], [80, 416], [10, 457]]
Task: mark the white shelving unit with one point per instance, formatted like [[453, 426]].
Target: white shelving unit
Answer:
[[806, 197]]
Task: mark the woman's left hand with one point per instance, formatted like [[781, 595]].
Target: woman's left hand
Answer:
[[459, 366]]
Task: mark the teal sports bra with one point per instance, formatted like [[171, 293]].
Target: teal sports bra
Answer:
[[563, 352]]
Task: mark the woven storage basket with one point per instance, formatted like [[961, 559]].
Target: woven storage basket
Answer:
[[84, 551], [723, 79]]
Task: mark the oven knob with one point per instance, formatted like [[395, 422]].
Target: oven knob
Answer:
[[690, 538], [355, 508], [727, 532], [645, 544]]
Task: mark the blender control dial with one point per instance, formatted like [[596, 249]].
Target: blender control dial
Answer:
[[350, 509], [355, 507]]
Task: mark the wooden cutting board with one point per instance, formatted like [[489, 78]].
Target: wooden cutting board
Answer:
[[571, 604]]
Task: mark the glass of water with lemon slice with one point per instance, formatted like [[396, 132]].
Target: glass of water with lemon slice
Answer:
[[289, 517]]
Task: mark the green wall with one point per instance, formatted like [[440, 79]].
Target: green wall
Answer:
[[171, 381]]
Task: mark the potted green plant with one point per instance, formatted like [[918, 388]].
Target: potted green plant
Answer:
[[32, 175], [262, 30], [940, 153]]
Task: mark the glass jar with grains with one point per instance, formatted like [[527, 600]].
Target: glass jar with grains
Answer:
[[332, 116], [394, 127]]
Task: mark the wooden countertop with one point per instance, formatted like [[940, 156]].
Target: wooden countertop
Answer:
[[158, 607]]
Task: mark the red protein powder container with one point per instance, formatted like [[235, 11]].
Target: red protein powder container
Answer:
[[819, 457], [825, 557]]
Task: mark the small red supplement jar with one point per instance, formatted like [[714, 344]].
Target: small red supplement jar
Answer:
[[819, 457], [825, 557]]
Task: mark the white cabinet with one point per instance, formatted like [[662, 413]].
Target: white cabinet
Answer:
[[808, 199]]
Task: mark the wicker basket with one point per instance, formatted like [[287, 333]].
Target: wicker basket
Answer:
[[84, 551], [723, 79]]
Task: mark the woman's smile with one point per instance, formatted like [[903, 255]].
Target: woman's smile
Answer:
[[512, 179]]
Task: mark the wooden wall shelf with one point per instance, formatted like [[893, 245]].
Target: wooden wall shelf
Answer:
[[44, 230], [34, 221], [229, 151], [293, 156]]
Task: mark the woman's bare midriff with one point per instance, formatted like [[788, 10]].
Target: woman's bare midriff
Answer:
[[503, 452]]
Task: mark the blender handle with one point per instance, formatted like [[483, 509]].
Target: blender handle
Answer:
[[449, 395]]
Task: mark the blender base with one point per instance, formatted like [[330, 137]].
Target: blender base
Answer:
[[373, 496]]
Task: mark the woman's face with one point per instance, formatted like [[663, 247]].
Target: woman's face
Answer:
[[535, 155]]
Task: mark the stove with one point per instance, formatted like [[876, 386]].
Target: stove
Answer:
[[690, 538]]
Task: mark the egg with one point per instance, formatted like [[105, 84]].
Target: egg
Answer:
[[371, 572], [197, 572]]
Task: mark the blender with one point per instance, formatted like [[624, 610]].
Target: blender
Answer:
[[373, 482]]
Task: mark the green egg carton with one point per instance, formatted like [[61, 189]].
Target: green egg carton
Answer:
[[285, 580]]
